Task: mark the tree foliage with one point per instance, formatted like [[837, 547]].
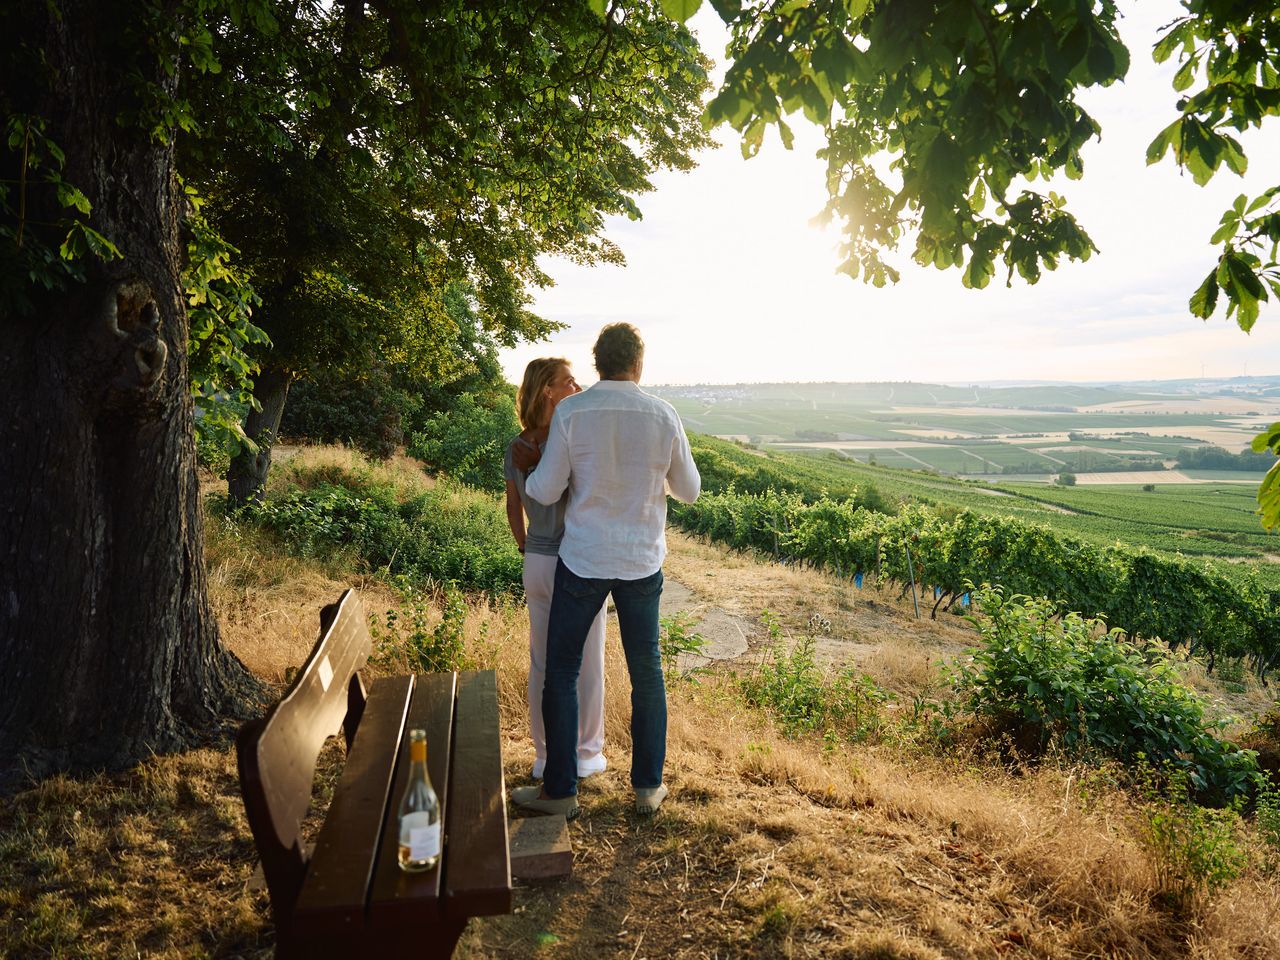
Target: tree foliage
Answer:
[[939, 115], [367, 157], [1229, 80]]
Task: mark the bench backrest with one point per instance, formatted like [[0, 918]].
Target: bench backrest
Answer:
[[277, 753]]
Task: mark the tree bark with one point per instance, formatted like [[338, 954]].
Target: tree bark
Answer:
[[108, 647], [247, 475]]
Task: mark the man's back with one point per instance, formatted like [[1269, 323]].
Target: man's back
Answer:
[[616, 449]]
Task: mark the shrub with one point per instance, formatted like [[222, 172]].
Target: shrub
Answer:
[[406, 636], [1197, 851], [674, 638], [809, 699], [1066, 480], [366, 414], [1069, 680], [449, 533], [468, 441]]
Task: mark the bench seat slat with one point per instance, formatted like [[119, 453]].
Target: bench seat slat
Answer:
[[338, 878], [478, 872], [396, 895]]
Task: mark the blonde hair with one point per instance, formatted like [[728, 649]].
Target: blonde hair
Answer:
[[531, 402]]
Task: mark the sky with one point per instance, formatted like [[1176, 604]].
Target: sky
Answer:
[[729, 282]]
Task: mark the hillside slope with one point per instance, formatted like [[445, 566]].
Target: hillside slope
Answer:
[[772, 847], [769, 846]]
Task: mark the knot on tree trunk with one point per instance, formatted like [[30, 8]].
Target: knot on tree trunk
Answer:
[[132, 319]]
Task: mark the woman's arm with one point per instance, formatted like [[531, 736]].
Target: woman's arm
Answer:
[[515, 514]]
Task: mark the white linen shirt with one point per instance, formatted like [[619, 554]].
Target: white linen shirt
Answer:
[[617, 450]]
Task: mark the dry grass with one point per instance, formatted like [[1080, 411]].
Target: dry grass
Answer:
[[769, 847], [765, 848], [323, 462], [773, 848], [150, 863]]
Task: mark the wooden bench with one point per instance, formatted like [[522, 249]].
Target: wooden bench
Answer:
[[348, 897]]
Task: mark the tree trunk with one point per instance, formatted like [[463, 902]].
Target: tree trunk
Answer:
[[108, 647], [247, 475]]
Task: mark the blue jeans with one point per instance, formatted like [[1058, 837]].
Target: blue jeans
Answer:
[[574, 604]]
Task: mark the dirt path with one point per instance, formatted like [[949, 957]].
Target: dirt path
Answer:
[[872, 629]]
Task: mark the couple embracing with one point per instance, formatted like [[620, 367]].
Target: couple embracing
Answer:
[[592, 469]]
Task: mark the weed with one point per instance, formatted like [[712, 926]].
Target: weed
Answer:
[[674, 639], [1267, 814], [405, 634], [1197, 850], [807, 698]]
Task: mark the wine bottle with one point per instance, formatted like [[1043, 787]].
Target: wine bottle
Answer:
[[419, 812]]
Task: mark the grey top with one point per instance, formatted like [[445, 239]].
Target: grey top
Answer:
[[546, 524]]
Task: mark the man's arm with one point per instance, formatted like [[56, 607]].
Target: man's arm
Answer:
[[549, 480], [683, 480]]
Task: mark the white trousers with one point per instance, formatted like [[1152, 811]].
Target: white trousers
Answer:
[[539, 583]]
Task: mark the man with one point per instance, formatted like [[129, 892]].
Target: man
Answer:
[[617, 450]]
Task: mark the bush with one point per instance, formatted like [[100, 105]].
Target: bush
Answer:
[[675, 637], [366, 414], [1197, 851], [406, 637], [449, 533], [1070, 681], [1268, 820], [1066, 480], [468, 441], [809, 699]]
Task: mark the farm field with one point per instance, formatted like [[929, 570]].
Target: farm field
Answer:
[[1030, 431]]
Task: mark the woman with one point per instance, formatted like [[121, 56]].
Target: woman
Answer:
[[547, 381]]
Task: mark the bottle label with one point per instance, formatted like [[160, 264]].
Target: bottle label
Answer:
[[424, 836]]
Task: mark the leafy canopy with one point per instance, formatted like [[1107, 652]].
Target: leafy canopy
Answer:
[[368, 157], [940, 116]]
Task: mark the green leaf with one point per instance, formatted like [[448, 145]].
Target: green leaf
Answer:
[[1163, 141], [1175, 37], [1268, 439], [1269, 496], [680, 10], [1234, 155], [598, 7], [1186, 74], [752, 137], [1205, 299], [1243, 289], [70, 196], [1259, 202], [784, 131], [1226, 231], [73, 246], [100, 245]]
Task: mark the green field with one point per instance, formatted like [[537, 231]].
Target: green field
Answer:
[[1213, 521], [1028, 431]]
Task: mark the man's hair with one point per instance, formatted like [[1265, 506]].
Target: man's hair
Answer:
[[531, 402], [618, 350]]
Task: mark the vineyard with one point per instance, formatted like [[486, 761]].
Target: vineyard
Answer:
[[756, 503], [1205, 520]]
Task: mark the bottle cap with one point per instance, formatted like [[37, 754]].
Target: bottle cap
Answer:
[[417, 746]]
